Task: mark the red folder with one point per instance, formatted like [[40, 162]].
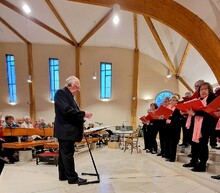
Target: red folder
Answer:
[[213, 107], [162, 111], [146, 118], [195, 104], [194, 96], [143, 119], [153, 115]]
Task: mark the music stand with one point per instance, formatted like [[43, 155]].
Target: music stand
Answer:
[[96, 171]]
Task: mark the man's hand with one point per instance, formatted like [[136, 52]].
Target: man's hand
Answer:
[[88, 115]]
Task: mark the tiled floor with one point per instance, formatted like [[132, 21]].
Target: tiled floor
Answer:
[[119, 172]]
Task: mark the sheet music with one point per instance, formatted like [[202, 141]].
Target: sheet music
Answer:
[[94, 129], [122, 132]]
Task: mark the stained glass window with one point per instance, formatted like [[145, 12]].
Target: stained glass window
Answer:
[[160, 97]]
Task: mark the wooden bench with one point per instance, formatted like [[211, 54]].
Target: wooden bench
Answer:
[[55, 145], [26, 131], [52, 157], [26, 144]]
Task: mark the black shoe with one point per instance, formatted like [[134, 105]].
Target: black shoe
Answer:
[[159, 154], [153, 152], [199, 168], [189, 165], [147, 151], [78, 181], [216, 177], [190, 155], [172, 160], [4, 160], [217, 148], [181, 144]]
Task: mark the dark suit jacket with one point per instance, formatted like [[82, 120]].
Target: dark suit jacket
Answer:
[[68, 124]]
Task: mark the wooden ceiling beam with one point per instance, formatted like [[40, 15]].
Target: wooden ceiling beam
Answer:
[[52, 8], [185, 84], [183, 59], [135, 31], [160, 44], [97, 27], [36, 21], [13, 30], [177, 17]]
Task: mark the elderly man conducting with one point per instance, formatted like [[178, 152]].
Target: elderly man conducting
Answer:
[[68, 129]]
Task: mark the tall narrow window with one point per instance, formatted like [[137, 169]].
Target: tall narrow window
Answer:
[[54, 77], [10, 62], [105, 80]]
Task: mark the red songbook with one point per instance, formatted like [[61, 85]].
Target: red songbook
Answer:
[[194, 96], [143, 119], [161, 112], [195, 105], [146, 118], [213, 107]]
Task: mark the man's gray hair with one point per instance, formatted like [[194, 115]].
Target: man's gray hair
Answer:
[[71, 80], [26, 117]]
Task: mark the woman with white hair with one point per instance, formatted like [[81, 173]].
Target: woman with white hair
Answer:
[[173, 128]]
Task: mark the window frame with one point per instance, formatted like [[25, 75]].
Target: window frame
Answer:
[[54, 78], [105, 80], [11, 77]]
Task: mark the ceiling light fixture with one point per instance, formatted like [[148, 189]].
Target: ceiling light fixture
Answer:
[[116, 9], [168, 73], [94, 77], [26, 9], [12, 103], [29, 80]]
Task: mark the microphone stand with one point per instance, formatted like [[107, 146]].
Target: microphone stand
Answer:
[[96, 171]]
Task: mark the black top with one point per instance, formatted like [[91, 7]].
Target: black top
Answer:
[[69, 120], [209, 122]]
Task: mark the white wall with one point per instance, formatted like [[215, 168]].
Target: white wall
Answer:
[[152, 80], [20, 53]]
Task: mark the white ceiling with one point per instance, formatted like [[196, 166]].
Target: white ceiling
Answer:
[[81, 18]]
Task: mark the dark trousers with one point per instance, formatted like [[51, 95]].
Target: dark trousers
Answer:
[[162, 130], [146, 146], [66, 166], [186, 132], [213, 138], [153, 130], [200, 152], [2, 164], [171, 141]]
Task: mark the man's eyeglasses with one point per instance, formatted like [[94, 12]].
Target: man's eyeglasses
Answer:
[[76, 87]]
